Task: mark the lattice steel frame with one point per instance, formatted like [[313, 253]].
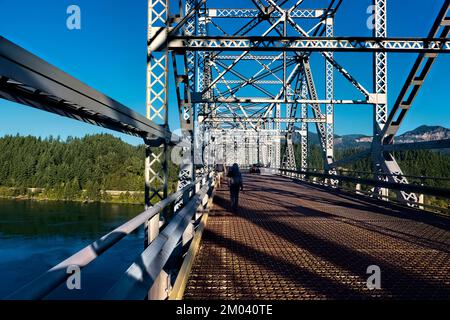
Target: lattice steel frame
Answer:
[[157, 151], [217, 105]]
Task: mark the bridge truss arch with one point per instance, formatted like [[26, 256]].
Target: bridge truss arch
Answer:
[[244, 79]]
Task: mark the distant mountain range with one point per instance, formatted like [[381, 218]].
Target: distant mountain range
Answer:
[[422, 133]]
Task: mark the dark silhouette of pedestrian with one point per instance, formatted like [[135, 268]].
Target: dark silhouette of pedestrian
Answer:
[[236, 185]]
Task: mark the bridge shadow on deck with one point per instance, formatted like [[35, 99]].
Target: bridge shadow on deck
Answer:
[[290, 241]]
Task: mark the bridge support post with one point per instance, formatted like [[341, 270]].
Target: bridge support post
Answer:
[[156, 176], [304, 129], [157, 151], [188, 234], [160, 289], [329, 88], [421, 201], [380, 84], [161, 286]]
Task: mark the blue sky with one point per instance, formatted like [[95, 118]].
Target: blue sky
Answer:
[[108, 53]]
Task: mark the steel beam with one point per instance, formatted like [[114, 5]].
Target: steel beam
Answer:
[[304, 148], [31, 81], [416, 78], [312, 44], [264, 119], [380, 86], [329, 93], [321, 127], [259, 100], [246, 13], [157, 103]]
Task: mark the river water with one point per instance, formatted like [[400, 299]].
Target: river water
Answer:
[[35, 236]]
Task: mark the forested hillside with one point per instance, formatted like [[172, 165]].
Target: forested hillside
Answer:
[[64, 169], [83, 168], [416, 163]]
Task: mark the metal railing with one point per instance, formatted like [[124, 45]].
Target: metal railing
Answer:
[[433, 191], [144, 271], [358, 181], [420, 178], [156, 254]]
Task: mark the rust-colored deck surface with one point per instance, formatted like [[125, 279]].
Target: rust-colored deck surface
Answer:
[[296, 241]]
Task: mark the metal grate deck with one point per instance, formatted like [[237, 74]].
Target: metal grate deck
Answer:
[[295, 241]]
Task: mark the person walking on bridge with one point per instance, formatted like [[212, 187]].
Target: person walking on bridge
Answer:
[[236, 185]]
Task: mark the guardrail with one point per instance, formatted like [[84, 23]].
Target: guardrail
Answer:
[[433, 191], [345, 171], [325, 180], [156, 253], [142, 274]]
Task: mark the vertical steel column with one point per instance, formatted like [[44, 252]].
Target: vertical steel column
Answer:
[[329, 88], [268, 144], [187, 119], [202, 82], [304, 128], [380, 92], [258, 147], [289, 161], [276, 140], [277, 124], [224, 148], [381, 80], [237, 146], [247, 151], [254, 149], [157, 152], [190, 30], [316, 109], [156, 103]]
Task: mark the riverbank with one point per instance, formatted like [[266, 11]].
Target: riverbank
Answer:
[[84, 196], [41, 199]]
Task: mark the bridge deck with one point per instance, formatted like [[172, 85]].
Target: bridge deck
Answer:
[[295, 241]]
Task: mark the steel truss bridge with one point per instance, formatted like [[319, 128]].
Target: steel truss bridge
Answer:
[[245, 85]]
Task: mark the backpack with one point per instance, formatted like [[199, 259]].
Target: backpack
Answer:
[[236, 179]]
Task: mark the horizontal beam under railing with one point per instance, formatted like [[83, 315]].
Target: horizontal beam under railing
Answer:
[[432, 191], [50, 280]]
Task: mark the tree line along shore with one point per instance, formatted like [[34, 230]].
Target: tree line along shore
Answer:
[[96, 167]]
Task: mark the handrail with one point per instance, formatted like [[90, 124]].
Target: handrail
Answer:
[[387, 174], [438, 192], [140, 276], [436, 210], [51, 279]]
